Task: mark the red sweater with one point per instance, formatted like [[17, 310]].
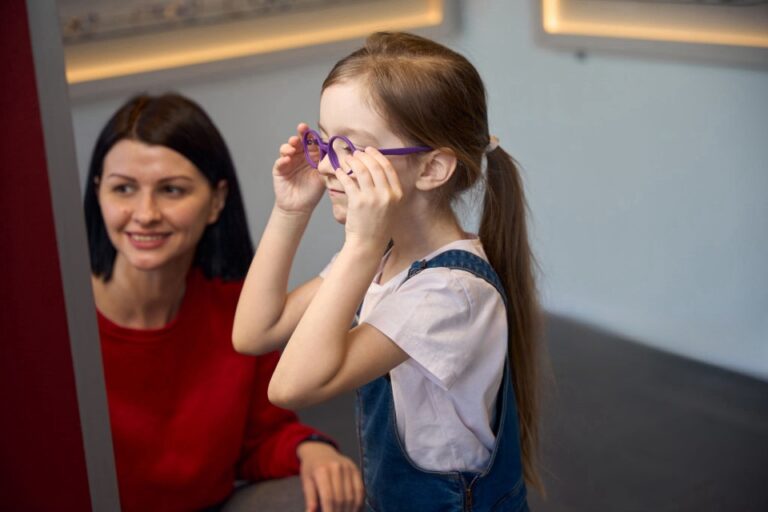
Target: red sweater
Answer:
[[189, 415]]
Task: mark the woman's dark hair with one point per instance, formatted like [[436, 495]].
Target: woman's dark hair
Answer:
[[433, 96], [171, 120]]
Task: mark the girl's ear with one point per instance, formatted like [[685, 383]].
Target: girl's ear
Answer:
[[439, 168], [219, 200]]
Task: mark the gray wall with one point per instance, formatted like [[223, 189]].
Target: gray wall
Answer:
[[647, 179]]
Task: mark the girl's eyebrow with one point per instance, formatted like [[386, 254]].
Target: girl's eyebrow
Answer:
[[359, 134]]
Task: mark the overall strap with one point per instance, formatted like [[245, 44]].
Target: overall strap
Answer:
[[461, 260]]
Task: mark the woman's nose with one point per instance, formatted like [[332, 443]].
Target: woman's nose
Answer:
[[146, 210]]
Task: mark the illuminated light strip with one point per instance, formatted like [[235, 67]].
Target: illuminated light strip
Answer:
[[551, 16], [553, 23], [76, 74]]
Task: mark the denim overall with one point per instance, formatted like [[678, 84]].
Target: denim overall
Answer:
[[394, 483]]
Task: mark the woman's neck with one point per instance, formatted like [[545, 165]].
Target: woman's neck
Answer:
[[141, 299]]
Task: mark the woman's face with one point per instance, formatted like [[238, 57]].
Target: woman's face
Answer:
[[155, 204], [345, 110]]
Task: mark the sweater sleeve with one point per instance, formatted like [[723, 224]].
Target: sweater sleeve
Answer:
[[272, 434]]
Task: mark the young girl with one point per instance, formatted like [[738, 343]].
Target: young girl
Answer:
[[443, 342]]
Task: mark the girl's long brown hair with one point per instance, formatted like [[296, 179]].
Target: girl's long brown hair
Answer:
[[433, 96]]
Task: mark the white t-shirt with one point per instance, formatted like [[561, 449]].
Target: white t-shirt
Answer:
[[453, 326]]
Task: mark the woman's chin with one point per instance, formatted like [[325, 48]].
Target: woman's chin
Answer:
[[150, 261], [146, 264]]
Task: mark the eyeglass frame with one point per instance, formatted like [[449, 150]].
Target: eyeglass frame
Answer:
[[326, 148]]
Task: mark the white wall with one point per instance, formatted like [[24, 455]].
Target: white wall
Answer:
[[647, 179]]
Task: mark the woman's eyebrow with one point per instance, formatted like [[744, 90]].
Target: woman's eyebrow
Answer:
[[162, 180], [177, 177], [119, 176]]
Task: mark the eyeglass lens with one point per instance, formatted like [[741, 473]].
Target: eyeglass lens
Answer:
[[312, 149], [343, 150]]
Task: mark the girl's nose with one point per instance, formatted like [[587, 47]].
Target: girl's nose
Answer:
[[325, 167], [146, 210]]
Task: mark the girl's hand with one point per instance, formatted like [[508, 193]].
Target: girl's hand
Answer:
[[373, 194], [298, 187], [329, 479]]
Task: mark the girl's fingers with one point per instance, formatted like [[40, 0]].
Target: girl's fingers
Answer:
[[360, 173], [375, 170], [286, 160], [291, 145], [301, 129], [287, 149], [350, 186], [282, 165], [387, 169]]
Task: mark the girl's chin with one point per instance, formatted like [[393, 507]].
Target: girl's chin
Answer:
[[340, 214]]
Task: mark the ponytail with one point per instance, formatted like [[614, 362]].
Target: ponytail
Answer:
[[503, 233]]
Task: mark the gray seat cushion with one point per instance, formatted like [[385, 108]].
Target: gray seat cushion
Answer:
[[283, 495]]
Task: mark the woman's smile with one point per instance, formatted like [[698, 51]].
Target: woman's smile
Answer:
[[147, 241]]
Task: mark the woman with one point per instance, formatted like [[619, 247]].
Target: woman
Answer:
[[169, 247]]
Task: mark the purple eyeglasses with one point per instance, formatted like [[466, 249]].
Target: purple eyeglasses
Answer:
[[315, 149]]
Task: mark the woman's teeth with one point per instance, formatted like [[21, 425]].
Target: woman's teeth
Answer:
[[146, 238]]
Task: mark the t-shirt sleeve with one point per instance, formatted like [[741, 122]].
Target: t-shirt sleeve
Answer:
[[428, 318]]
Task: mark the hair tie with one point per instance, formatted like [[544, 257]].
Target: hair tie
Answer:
[[492, 145]]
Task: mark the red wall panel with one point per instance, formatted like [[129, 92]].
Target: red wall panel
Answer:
[[42, 464]]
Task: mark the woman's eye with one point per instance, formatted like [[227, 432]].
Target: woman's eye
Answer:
[[123, 188], [173, 190]]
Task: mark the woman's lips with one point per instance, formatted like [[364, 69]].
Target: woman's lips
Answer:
[[334, 191], [147, 240]]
